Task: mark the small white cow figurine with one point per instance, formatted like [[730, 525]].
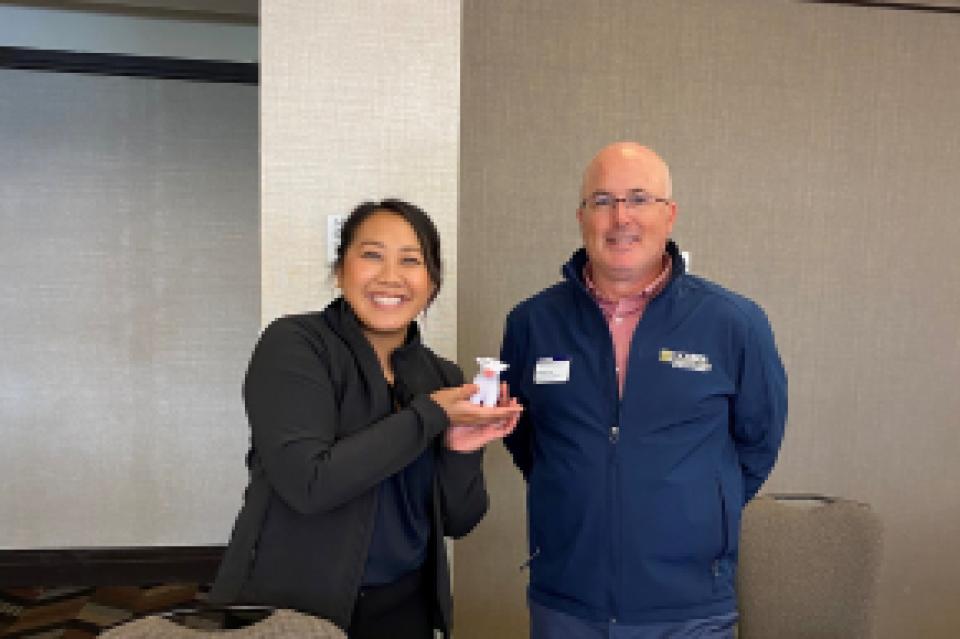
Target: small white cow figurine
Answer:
[[488, 381]]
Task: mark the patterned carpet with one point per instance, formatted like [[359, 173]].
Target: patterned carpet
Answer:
[[81, 613]]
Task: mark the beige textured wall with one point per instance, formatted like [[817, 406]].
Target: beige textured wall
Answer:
[[816, 151], [359, 100]]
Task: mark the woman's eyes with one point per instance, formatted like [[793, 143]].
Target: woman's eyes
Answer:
[[406, 260]]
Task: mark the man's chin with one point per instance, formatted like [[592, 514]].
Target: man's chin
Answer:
[[629, 274], [624, 274], [623, 270]]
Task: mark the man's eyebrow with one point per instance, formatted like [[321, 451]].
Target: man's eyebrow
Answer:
[[635, 189]]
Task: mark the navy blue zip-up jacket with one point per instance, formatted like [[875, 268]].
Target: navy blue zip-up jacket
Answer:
[[634, 503]]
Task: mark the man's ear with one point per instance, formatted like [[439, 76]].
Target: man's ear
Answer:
[[672, 213]]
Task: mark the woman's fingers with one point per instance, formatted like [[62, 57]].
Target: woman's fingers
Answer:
[[464, 412], [468, 438]]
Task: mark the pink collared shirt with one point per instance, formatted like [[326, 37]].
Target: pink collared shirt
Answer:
[[623, 316]]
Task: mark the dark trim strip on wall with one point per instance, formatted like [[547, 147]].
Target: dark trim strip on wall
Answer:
[[132, 566], [129, 65], [903, 6], [245, 12]]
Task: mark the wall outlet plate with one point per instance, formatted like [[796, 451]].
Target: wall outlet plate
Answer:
[[334, 225]]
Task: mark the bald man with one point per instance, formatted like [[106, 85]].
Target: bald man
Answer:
[[655, 407]]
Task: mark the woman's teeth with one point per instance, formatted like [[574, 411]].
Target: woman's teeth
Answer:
[[386, 301]]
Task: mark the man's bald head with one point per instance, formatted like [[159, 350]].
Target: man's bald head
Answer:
[[652, 173]]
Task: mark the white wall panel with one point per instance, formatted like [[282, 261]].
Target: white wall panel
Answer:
[[360, 101]]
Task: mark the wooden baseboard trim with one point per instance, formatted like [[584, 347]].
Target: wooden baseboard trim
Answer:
[[132, 566]]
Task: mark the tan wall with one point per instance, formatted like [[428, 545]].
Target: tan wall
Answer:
[[359, 101], [816, 151]]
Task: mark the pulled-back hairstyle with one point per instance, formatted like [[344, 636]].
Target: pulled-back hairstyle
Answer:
[[423, 227]]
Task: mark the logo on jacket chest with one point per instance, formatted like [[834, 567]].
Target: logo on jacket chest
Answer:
[[688, 361]]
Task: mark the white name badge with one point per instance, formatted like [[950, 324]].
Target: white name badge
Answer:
[[551, 371]]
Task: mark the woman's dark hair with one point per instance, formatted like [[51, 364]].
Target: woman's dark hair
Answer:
[[423, 227]]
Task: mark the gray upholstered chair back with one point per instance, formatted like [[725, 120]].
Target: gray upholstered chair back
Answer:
[[808, 568], [281, 624]]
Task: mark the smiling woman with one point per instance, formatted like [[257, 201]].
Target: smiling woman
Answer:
[[365, 450], [388, 267]]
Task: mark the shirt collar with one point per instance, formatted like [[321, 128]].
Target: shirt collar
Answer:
[[632, 301]]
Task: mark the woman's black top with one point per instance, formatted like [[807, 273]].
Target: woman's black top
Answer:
[[324, 436], [401, 528]]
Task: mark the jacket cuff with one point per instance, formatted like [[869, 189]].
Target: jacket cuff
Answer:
[[433, 418], [465, 460]]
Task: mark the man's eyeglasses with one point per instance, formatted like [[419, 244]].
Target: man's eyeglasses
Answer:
[[604, 202]]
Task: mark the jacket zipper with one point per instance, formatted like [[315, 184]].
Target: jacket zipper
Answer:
[[616, 535]]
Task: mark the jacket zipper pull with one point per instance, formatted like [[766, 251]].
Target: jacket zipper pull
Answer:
[[526, 564]]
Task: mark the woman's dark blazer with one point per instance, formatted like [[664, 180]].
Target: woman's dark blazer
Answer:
[[324, 435]]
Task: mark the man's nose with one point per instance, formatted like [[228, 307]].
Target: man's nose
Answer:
[[619, 214]]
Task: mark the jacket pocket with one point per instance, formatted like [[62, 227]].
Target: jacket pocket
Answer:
[[721, 567], [724, 521], [529, 560]]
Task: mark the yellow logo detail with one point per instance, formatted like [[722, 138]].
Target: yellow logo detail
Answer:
[[687, 361]]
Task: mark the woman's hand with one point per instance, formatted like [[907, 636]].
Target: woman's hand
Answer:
[[455, 402], [476, 426]]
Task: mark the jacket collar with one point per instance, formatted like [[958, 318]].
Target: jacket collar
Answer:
[[406, 362], [573, 270]]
